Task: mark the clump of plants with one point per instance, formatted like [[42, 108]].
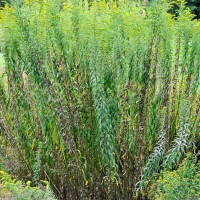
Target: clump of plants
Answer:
[[97, 98], [12, 189], [183, 183]]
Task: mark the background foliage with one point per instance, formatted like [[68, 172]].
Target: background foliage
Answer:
[[97, 97]]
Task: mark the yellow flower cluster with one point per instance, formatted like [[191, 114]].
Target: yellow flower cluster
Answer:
[[66, 6], [28, 2]]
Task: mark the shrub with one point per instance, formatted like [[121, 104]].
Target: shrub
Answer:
[[18, 191], [183, 183]]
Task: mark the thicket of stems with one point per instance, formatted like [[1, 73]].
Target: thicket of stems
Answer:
[[99, 97]]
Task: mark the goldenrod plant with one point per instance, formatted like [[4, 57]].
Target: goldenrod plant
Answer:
[[98, 97], [183, 183], [13, 189]]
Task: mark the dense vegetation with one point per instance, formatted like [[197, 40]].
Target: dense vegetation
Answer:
[[13, 189], [194, 5], [184, 183], [98, 98]]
